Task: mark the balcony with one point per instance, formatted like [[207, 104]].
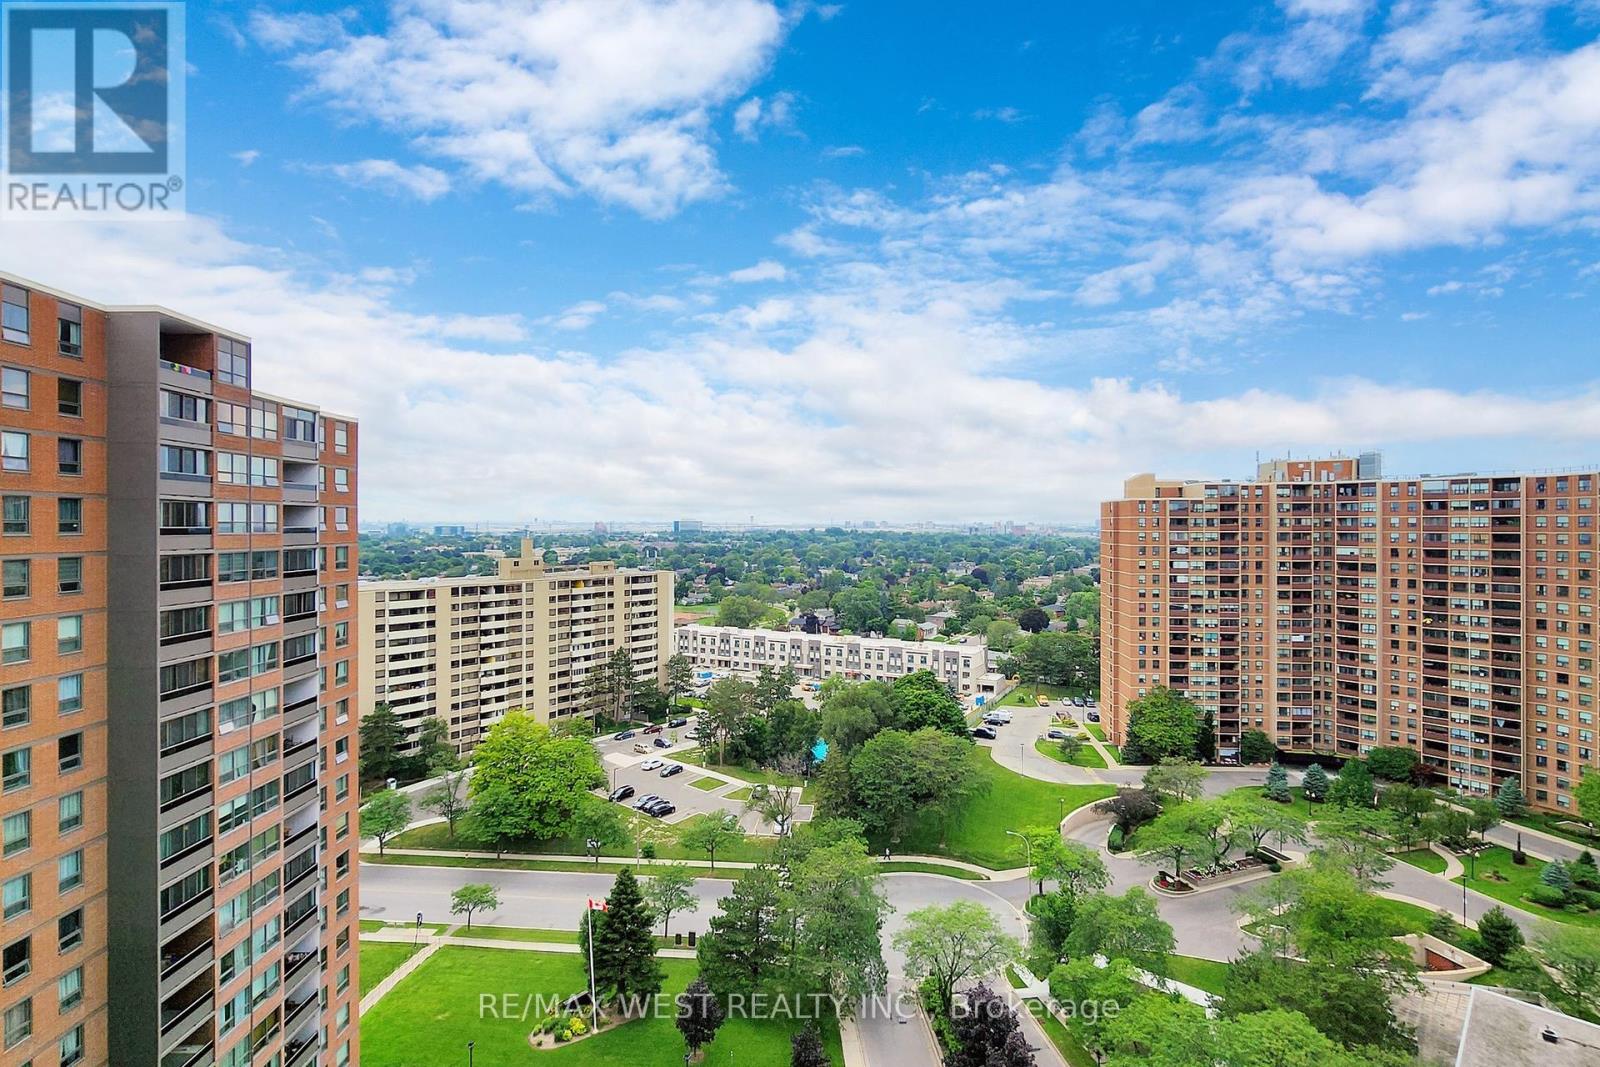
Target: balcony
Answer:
[[294, 963], [190, 1055], [182, 1018]]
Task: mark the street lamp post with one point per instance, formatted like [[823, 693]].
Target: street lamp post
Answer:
[[1026, 843], [469, 1053]]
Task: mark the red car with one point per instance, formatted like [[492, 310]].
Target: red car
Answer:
[[652, 729]]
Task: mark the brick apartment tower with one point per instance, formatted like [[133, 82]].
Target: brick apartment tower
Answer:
[[178, 679], [1338, 610]]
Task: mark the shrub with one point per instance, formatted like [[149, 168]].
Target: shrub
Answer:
[[1114, 842], [1589, 898], [1520, 858], [1498, 935], [576, 1026], [648, 850], [1555, 875], [1442, 926], [1274, 866], [1549, 896]]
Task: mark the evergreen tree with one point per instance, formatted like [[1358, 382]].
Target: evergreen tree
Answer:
[[700, 1015], [625, 963], [742, 948], [805, 1048], [381, 737], [1354, 788], [1508, 799], [1498, 935], [1278, 784], [1556, 876], [1315, 783]]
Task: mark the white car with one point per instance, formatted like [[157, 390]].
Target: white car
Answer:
[[651, 764]]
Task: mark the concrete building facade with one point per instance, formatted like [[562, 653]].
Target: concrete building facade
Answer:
[[468, 650], [818, 656], [1338, 610], [180, 551]]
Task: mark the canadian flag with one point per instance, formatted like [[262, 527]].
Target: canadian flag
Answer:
[[596, 905]]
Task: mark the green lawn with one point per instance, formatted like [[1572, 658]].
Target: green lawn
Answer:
[[1425, 858], [1557, 825], [1084, 757], [523, 863], [918, 867], [642, 828], [1512, 885], [1096, 730], [742, 793], [1208, 975], [518, 933], [708, 783], [977, 833], [1022, 696], [372, 926], [430, 1017], [380, 959]]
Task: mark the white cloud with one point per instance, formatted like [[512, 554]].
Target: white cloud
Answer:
[[420, 181], [554, 98], [843, 151], [579, 316], [768, 270], [247, 157], [774, 113], [1006, 114]]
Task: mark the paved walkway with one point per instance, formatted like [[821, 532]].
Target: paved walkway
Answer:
[[431, 942]]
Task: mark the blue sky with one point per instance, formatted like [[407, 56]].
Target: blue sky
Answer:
[[722, 258]]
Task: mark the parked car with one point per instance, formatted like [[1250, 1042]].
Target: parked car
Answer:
[[621, 793], [993, 720], [671, 769], [1093, 716], [651, 764], [1056, 735], [640, 746], [985, 732], [646, 800], [1044, 702], [662, 742], [677, 723], [661, 809], [655, 729], [623, 736]]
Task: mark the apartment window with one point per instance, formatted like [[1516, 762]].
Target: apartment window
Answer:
[[185, 891], [233, 518], [341, 518], [233, 419], [263, 610], [263, 471], [341, 596], [69, 515], [183, 837], [13, 451], [14, 641], [341, 437], [341, 672], [69, 989], [69, 574], [69, 329], [13, 578], [18, 1022], [233, 468], [184, 517], [180, 462], [233, 616], [16, 896], [15, 514], [341, 479], [264, 518], [69, 694], [69, 634], [13, 388], [298, 561], [69, 397], [14, 314], [182, 624], [69, 753], [264, 658], [299, 425], [264, 423], [263, 565], [233, 764], [69, 930], [187, 677], [178, 732], [184, 407], [233, 666], [69, 812], [233, 567], [16, 833], [16, 706], [16, 961], [341, 557], [341, 634], [233, 814], [70, 1048], [184, 570], [233, 361], [69, 455], [69, 871]]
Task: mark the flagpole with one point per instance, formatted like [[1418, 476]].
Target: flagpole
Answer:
[[594, 1003]]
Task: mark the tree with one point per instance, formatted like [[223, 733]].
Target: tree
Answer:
[[1001, 635], [385, 814], [1352, 1008], [381, 738], [921, 700], [742, 948], [951, 943], [1128, 927], [1354, 787], [1050, 920], [986, 1032], [1074, 867], [739, 611], [1498, 935], [472, 897], [601, 822], [883, 778], [729, 703], [670, 891], [805, 1047], [1573, 954], [1393, 763], [1258, 818], [1588, 797], [1256, 747], [435, 753], [1131, 808], [1033, 619], [1164, 724], [1355, 839], [851, 714], [838, 907], [1205, 748], [1509, 801], [700, 1015], [1277, 787], [1175, 835], [710, 832], [1180, 779], [529, 784], [1315, 783], [680, 678], [1555, 875], [624, 945], [448, 799]]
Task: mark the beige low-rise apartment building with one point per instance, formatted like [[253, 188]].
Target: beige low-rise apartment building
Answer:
[[468, 650], [817, 656]]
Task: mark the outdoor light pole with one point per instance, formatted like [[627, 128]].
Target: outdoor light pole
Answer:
[[1028, 844], [469, 1053]]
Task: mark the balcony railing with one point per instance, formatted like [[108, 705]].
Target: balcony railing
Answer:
[[179, 368]]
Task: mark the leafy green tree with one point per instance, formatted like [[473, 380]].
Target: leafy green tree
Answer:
[[1074, 867], [1447, 825], [625, 964], [1205, 748], [884, 775], [1315, 783], [1080, 981], [1351, 1008], [1257, 818], [474, 897], [599, 821], [1498, 935], [1051, 917], [528, 784], [1483, 816], [1164, 724], [1179, 779], [381, 738], [949, 944], [739, 611], [1256, 747], [1393, 763], [1131, 808], [1127, 927], [1509, 801], [851, 714], [730, 703], [385, 814], [448, 799], [1033, 620], [838, 905], [1277, 787], [669, 892], [1573, 954], [1069, 746], [700, 1015], [1354, 787], [1356, 840], [921, 700], [743, 947], [435, 752], [710, 832], [1160, 1032], [1183, 833], [1588, 797], [1001, 635], [608, 689], [680, 678]]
